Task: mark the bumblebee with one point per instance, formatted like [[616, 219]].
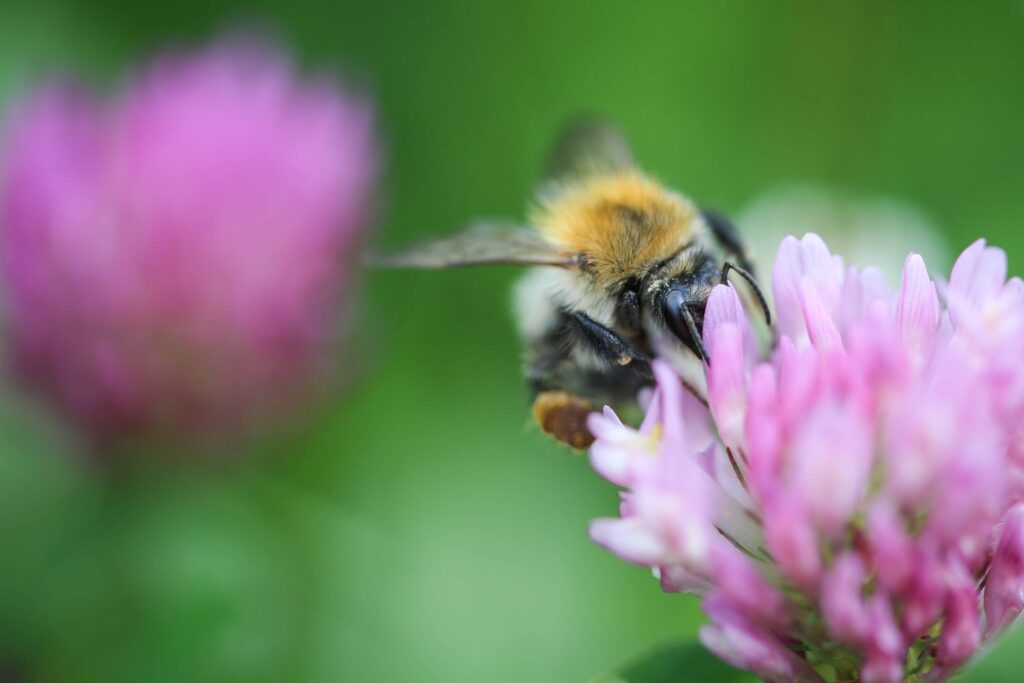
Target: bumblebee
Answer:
[[621, 266]]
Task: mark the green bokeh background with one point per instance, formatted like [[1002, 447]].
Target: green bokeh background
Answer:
[[418, 529]]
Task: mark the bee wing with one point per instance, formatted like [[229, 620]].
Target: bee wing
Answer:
[[481, 244], [587, 146]]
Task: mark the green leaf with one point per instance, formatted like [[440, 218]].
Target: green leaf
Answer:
[[677, 662], [1003, 663]]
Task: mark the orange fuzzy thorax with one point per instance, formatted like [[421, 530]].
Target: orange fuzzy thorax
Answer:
[[623, 223]]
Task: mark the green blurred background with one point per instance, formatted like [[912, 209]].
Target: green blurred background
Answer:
[[419, 529]]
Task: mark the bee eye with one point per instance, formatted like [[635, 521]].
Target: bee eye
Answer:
[[685, 316], [675, 301]]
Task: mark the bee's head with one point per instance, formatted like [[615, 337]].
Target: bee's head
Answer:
[[677, 301]]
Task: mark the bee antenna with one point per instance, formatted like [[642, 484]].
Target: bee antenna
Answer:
[[746, 275], [691, 325]]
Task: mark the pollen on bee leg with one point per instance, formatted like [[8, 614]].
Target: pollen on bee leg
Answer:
[[564, 416]]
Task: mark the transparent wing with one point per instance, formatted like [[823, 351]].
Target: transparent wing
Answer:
[[588, 146], [481, 244]]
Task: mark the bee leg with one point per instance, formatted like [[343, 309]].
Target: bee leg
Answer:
[[729, 238], [559, 412], [565, 393], [610, 346]]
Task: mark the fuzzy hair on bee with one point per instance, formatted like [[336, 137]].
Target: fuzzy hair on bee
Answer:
[[620, 265], [624, 222]]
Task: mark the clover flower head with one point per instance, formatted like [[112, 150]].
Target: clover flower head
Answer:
[[860, 507], [175, 257]]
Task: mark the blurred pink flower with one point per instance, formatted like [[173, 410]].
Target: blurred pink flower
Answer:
[[862, 509], [177, 258]]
